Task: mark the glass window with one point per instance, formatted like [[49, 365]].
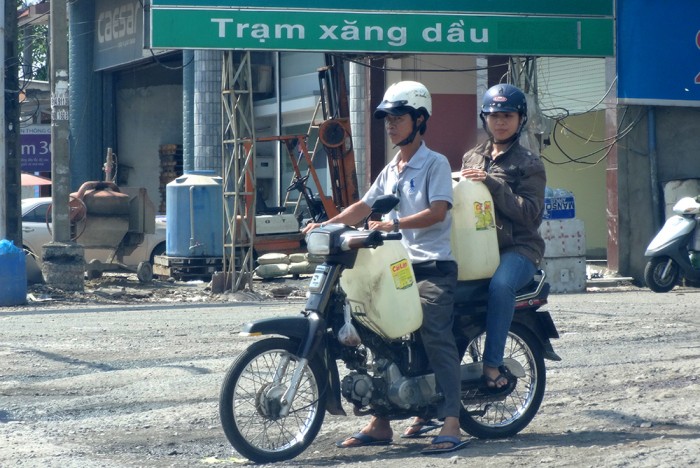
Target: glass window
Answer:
[[38, 214]]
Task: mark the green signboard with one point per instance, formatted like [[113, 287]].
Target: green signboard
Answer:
[[380, 32], [518, 7]]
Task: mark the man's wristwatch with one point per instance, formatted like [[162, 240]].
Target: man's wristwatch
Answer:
[[396, 224]]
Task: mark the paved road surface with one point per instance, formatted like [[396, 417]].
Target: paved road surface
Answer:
[[138, 386]]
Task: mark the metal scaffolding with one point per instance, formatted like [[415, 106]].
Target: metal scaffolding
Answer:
[[238, 153]]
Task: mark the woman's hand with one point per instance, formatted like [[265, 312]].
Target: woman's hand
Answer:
[[474, 174]]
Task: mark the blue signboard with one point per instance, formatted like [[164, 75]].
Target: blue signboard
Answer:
[[35, 143], [658, 52]]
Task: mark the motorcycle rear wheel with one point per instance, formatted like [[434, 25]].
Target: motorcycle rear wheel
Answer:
[[249, 402], [654, 274], [508, 415]]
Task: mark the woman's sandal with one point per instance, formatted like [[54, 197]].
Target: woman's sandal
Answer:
[[490, 385]]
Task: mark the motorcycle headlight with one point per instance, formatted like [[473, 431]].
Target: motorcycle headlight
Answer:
[[318, 242]]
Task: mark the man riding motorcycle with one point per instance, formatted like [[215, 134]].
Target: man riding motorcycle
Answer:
[[421, 178]]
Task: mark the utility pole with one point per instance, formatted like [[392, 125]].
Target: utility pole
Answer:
[[10, 158], [3, 140], [63, 262]]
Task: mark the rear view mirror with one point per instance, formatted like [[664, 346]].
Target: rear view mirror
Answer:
[[385, 204]]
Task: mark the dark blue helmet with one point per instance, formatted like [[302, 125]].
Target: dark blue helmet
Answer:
[[504, 98]]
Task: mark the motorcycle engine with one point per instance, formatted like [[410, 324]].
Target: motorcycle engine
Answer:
[[388, 388], [358, 389]]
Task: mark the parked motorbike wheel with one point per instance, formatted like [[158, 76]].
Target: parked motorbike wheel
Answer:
[[509, 415], [249, 403], [661, 274]]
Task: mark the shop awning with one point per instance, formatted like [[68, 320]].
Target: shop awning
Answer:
[[31, 179]]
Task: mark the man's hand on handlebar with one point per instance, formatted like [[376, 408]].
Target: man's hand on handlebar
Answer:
[[386, 226], [310, 227]]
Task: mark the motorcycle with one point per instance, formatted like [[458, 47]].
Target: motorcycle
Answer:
[[275, 395], [675, 250]]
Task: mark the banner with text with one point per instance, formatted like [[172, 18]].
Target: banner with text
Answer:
[[379, 32], [658, 57], [35, 143]]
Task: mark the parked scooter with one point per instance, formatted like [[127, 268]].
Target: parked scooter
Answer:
[[275, 395], [675, 250]]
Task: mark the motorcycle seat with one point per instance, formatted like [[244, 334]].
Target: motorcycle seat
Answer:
[[472, 291], [475, 292]]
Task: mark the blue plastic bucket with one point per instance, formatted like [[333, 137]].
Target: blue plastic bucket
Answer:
[[13, 274]]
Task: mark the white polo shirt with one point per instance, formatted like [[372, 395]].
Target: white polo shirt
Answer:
[[426, 178]]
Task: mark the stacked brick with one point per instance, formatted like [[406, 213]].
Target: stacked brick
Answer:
[[170, 169]]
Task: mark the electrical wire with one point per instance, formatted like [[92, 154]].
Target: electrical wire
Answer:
[[621, 133], [169, 67], [559, 119], [353, 59]]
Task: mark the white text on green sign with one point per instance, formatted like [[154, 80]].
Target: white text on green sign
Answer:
[[373, 32]]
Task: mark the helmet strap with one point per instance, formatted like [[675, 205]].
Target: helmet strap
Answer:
[[512, 138], [409, 139], [412, 136]]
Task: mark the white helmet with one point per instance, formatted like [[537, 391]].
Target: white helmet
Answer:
[[405, 97]]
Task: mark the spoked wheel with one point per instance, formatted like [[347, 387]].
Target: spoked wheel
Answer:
[[661, 274], [506, 416], [250, 405], [77, 213]]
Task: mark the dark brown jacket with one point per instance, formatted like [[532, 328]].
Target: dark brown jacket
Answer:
[[516, 180]]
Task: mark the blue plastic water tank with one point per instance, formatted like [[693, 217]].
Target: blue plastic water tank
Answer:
[[194, 216], [13, 274]]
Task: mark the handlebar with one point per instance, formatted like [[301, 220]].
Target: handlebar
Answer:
[[369, 239], [392, 236]]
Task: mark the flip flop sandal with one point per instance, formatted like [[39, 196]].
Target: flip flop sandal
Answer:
[[489, 384], [423, 427], [456, 442], [365, 440]]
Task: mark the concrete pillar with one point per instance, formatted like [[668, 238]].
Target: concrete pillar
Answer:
[[207, 110], [188, 110], [87, 154], [63, 263], [359, 122]]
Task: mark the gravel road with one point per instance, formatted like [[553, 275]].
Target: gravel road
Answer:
[[136, 384]]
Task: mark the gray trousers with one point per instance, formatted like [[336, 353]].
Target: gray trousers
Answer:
[[436, 286]]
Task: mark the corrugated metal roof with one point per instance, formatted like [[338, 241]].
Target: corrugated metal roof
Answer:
[[574, 84]]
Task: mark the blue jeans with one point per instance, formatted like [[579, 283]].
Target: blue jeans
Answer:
[[513, 272]]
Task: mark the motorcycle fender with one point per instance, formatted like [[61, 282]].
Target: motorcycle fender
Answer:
[[542, 325], [333, 401], [298, 328], [291, 327], [671, 234]]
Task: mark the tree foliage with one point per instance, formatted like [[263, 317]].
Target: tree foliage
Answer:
[[33, 46]]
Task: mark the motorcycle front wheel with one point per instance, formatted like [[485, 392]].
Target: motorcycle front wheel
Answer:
[[250, 402], [506, 416], [661, 274]]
